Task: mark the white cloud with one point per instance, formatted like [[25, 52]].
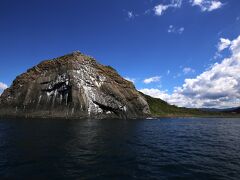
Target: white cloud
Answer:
[[130, 14], [130, 79], [176, 3], [223, 44], [2, 87], [172, 29], [157, 93], [235, 46], [207, 5], [152, 79], [187, 70], [217, 87], [168, 72], [197, 2], [160, 8], [217, 55], [180, 30], [215, 5]]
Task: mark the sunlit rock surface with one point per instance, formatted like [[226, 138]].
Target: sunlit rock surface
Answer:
[[72, 86]]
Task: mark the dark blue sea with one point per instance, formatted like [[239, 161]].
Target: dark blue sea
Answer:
[[170, 148]]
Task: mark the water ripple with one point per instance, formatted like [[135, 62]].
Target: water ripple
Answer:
[[171, 148]]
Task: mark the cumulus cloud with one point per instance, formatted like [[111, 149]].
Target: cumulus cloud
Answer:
[[223, 44], [217, 87], [214, 5], [172, 29], [2, 87], [235, 47], [160, 8], [157, 93], [207, 5], [130, 79], [152, 79]]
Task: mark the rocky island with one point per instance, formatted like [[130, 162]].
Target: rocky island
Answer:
[[76, 86], [73, 86]]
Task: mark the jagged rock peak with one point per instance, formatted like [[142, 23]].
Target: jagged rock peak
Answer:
[[73, 86]]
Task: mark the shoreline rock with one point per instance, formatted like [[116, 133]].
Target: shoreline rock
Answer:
[[73, 86]]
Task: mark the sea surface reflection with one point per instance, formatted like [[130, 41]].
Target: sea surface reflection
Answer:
[[170, 148]]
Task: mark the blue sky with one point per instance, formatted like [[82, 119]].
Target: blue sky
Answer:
[[163, 42]]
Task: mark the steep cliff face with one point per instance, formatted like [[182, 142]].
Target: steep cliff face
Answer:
[[72, 86]]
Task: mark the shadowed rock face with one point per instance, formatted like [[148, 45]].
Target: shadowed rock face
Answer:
[[72, 86]]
